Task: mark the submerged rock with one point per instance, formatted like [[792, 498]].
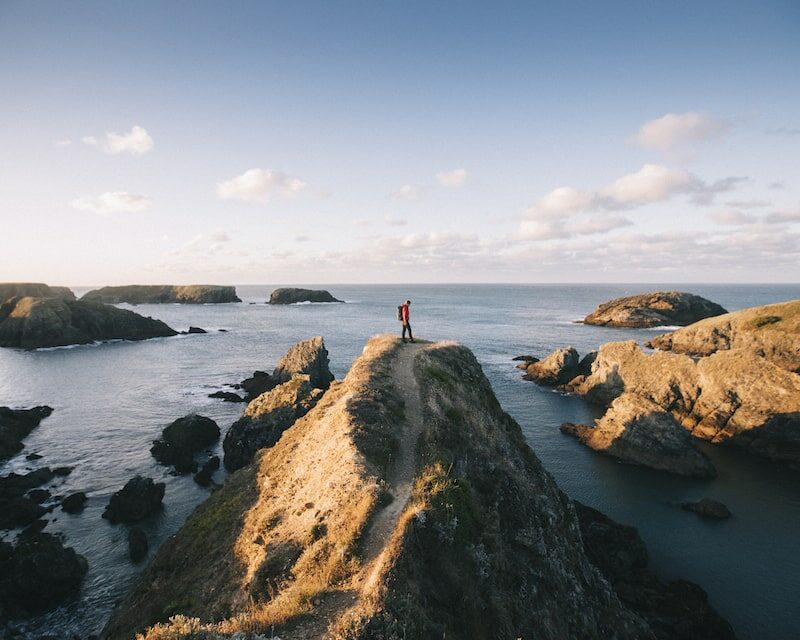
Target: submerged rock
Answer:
[[182, 439], [289, 295], [16, 424], [708, 508], [227, 396], [32, 323], [637, 431], [771, 332], [136, 500], [38, 574], [654, 309], [158, 294]]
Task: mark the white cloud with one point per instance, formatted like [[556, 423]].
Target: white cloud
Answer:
[[560, 202], [652, 183], [452, 179], [259, 185], [556, 229], [731, 217], [676, 129], [137, 141], [407, 192], [783, 216], [113, 202]]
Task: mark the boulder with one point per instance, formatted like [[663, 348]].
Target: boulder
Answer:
[[266, 418], [771, 332], [308, 357], [33, 289], [227, 396], [708, 508], [204, 476], [31, 323], [74, 502], [136, 500], [677, 610], [257, 384], [182, 439], [637, 431], [137, 544], [16, 424], [290, 295], [39, 495], [557, 368], [158, 294], [653, 310], [38, 574]]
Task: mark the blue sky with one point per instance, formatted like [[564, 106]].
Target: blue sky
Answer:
[[399, 142]]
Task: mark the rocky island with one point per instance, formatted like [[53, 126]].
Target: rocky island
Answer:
[[33, 289], [290, 295], [160, 294], [655, 309], [404, 504], [32, 323]]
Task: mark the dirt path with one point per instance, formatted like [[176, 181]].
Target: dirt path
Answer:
[[384, 522]]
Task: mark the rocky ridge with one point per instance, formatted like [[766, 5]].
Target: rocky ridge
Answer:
[[655, 309], [33, 290], [160, 294]]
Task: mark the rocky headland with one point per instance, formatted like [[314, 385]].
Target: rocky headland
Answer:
[[33, 290], [32, 323], [404, 504], [660, 308], [160, 294], [291, 295]]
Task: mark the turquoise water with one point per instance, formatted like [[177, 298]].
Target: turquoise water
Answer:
[[112, 400]]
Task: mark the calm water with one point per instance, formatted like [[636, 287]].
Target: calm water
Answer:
[[112, 400]]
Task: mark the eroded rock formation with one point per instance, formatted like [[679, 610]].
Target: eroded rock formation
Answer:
[[653, 310]]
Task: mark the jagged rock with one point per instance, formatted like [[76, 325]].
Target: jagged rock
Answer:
[[137, 544], [31, 323], [654, 309], [38, 574], [39, 495], [731, 397], [227, 396], [196, 330], [33, 289], [182, 439], [16, 424], [203, 477], [157, 294], [74, 502], [17, 509], [557, 368], [675, 611], [638, 431], [254, 386], [771, 331], [294, 295], [308, 357], [136, 500], [708, 508], [266, 418]]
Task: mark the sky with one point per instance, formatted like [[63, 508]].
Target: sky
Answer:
[[380, 142]]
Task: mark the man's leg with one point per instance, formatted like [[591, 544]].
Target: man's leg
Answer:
[[410, 335], [405, 326]]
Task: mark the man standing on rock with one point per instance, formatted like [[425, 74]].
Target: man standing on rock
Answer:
[[405, 316]]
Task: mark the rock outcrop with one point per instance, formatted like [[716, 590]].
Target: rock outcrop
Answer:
[[557, 368], [771, 332], [638, 431], [307, 357], [291, 295], [182, 439], [653, 310], [31, 323], [675, 611], [16, 508], [406, 503], [135, 501], [33, 290], [159, 294], [16, 424], [37, 574]]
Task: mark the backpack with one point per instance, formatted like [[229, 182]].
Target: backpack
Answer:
[[400, 312]]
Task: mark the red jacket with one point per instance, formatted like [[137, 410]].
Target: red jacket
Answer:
[[405, 313]]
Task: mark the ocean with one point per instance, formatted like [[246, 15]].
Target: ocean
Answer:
[[111, 400]]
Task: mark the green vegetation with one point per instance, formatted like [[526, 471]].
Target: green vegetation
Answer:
[[763, 321]]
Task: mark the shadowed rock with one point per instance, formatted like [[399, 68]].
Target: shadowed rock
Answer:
[[182, 439], [74, 503], [257, 384], [16, 424], [708, 508], [290, 295], [654, 309], [204, 476], [136, 500], [137, 544], [227, 396], [31, 323], [158, 294]]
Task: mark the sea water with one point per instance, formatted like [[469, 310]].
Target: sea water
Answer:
[[112, 400]]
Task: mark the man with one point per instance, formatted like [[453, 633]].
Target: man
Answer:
[[405, 316]]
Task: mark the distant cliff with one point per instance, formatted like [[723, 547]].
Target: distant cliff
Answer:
[[157, 294], [293, 296], [33, 289], [405, 504]]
